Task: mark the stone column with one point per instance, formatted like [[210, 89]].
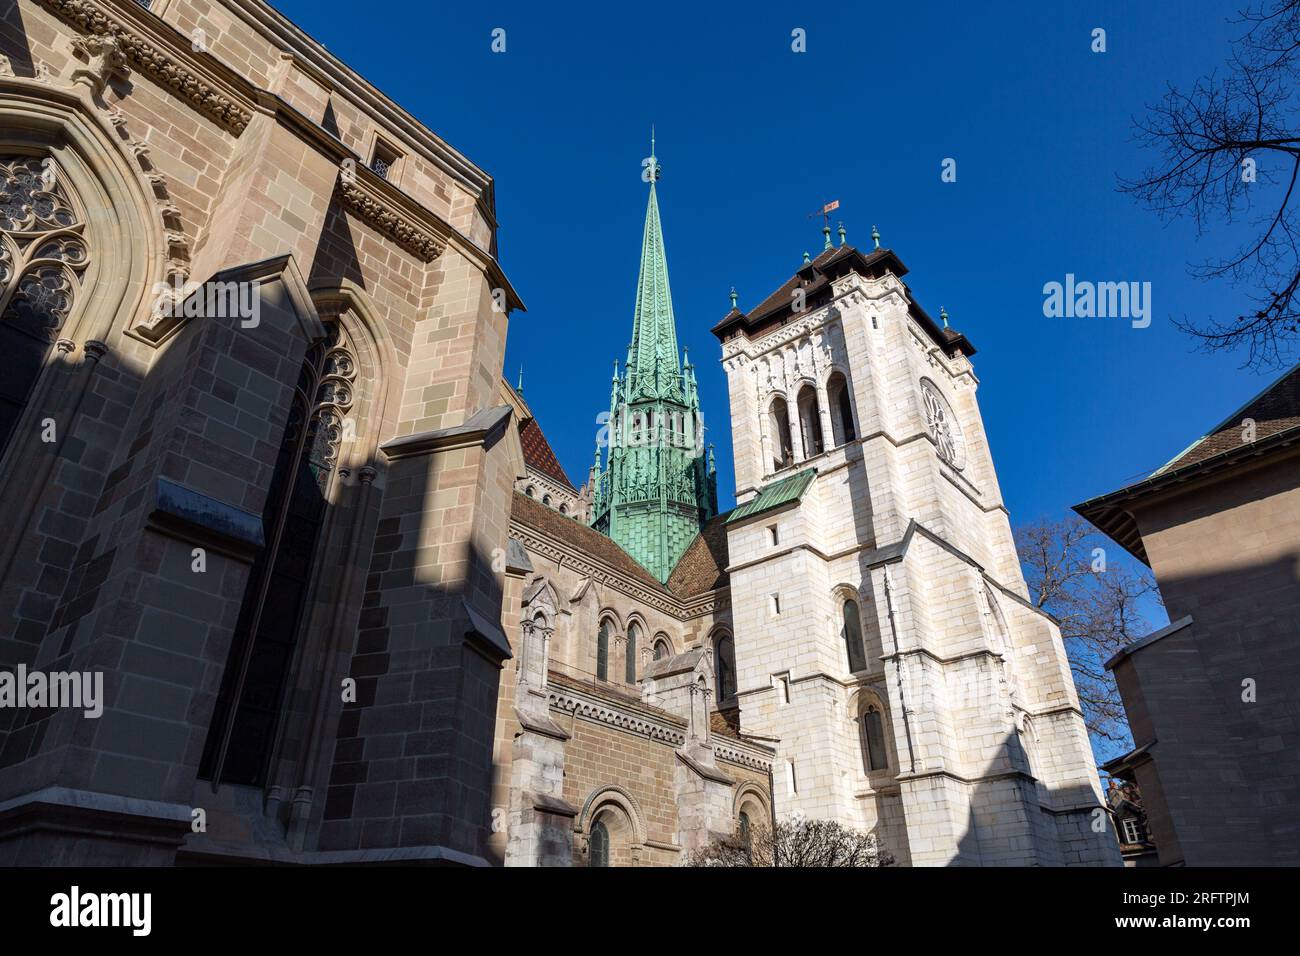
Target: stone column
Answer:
[[823, 406], [796, 433]]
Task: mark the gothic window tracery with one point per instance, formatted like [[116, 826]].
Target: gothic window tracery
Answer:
[[43, 258], [244, 724]]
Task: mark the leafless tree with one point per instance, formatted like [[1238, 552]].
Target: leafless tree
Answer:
[[799, 842], [1099, 610], [1229, 149]]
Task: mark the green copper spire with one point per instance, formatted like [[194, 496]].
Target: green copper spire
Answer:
[[653, 354], [875, 236], [657, 490]]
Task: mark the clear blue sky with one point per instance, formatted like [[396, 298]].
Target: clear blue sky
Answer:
[[752, 137]]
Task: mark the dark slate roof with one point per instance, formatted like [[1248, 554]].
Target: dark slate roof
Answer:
[[815, 278], [775, 495], [537, 516], [538, 454], [1276, 412], [703, 565]]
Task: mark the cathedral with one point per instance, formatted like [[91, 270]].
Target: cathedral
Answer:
[[271, 503]]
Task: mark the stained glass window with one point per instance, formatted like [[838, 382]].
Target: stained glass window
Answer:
[[602, 652], [43, 255], [598, 846], [247, 713]]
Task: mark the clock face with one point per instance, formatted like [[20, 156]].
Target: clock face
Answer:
[[942, 424]]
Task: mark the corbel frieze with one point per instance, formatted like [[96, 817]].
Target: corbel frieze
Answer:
[[156, 63]]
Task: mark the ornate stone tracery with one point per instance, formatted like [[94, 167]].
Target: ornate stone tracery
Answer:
[[43, 253], [943, 424]]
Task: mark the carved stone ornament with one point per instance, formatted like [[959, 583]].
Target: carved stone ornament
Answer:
[[158, 65]]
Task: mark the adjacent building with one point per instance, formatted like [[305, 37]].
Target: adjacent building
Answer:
[[1211, 699]]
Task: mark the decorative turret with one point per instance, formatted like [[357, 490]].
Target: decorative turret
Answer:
[[655, 492]]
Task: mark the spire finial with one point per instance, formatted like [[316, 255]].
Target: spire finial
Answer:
[[652, 164], [843, 234], [520, 387], [616, 370], [943, 314], [875, 236], [826, 231], [733, 296], [807, 258]]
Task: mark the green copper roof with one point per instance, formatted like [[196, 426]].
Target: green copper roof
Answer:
[[773, 496], [653, 354]]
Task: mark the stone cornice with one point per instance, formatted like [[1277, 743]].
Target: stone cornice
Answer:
[[159, 55], [385, 214], [589, 706], [741, 753]]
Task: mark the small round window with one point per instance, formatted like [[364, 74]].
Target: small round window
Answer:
[[943, 425]]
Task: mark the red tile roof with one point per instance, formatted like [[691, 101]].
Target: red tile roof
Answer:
[[538, 454], [703, 565]]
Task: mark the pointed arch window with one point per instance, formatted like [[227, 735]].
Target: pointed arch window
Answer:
[[633, 639], [246, 718], [602, 651], [724, 656], [853, 636], [663, 650], [782, 449], [43, 257], [810, 421], [872, 730], [841, 409]]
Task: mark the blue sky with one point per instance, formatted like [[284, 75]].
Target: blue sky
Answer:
[[752, 137]]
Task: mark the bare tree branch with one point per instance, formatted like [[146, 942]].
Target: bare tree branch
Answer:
[[1099, 610], [796, 843], [1205, 138]]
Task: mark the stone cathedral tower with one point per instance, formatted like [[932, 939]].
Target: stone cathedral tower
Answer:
[[655, 492], [883, 632]]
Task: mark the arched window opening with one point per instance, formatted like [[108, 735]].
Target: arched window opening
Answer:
[[43, 256], [724, 664], [810, 422], [598, 846], [663, 650], [841, 409], [564, 508], [246, 717], [530, 491], [633, 636], [602, 651], [546, 500], [743, 830], [872, 731], [782, 449], [853, 637]]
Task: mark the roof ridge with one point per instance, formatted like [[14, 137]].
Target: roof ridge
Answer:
[[1229, 420]]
